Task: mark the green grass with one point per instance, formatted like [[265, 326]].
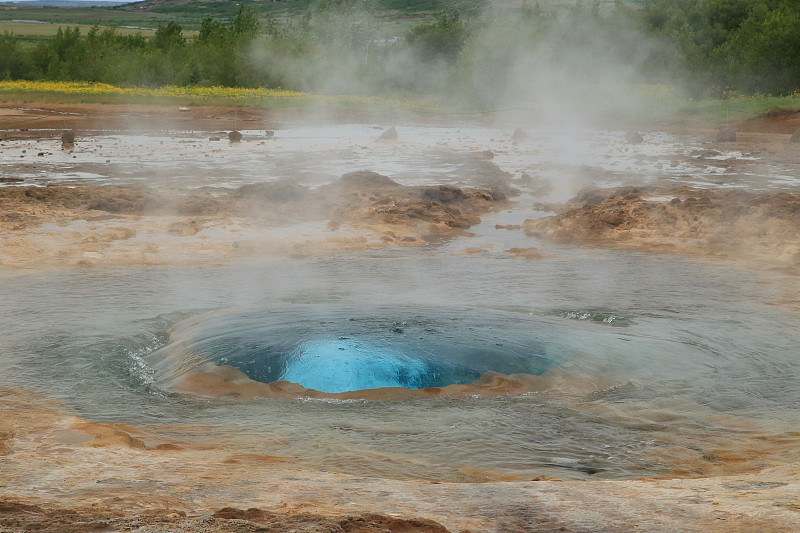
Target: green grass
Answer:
[[735, 109], [90, 16], [663, 107], [276, 99], [44, 31]]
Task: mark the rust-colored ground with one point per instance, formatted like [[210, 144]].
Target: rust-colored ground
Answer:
[[28, 120]]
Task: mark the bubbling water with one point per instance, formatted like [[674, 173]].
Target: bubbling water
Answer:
[[335, 349], [343, 365]]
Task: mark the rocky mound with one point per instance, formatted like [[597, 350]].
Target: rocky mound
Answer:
[[375, 210], [18, 516], [731, 223]]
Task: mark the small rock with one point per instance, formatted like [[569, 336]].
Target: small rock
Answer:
[[726, 135], [390, 134], [634, 137], [519, 134], [234, 136], [527, 253], [613, 219], [67, 137]]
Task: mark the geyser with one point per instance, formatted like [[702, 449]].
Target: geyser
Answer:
[[345, 364], [337, 349]]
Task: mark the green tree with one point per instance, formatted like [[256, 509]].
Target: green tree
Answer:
[[442, 39], [12, 59], [246, 23], [168, 37]]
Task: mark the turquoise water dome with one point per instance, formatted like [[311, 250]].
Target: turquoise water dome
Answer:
[[343, 348], [343, 365]]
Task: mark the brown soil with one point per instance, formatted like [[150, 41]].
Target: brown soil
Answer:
[[24, 121], [784, 122]]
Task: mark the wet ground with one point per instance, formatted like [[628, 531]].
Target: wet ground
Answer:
[[674, 410]]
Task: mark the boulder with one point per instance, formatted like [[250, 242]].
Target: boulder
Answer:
[[726, 135], [367, 179], [390, 134], [634, 137], [443, 194], [283, 190], [519, 135]]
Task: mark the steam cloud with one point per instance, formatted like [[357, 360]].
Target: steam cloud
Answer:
[[526, 64]]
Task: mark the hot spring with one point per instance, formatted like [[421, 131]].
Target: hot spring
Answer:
[[343, 348], [429, 362]]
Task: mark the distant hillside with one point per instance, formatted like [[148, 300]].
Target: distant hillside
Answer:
[[62, 3], [387, 10], [396, 16], [279, 9]]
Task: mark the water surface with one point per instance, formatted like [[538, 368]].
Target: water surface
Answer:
[[658, 363]]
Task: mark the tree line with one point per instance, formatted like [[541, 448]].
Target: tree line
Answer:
[[718, 46]]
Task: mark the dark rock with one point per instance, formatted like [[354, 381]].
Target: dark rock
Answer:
[[500, 187], [68, 137], [590, 196], [726, 135], [443, 194], [633, 137], [234, 136], [434, 212], [273, 191], [367, 178], [390, 134], [614, 219]]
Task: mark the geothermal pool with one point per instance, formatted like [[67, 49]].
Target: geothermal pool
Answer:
[[644, 364]]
